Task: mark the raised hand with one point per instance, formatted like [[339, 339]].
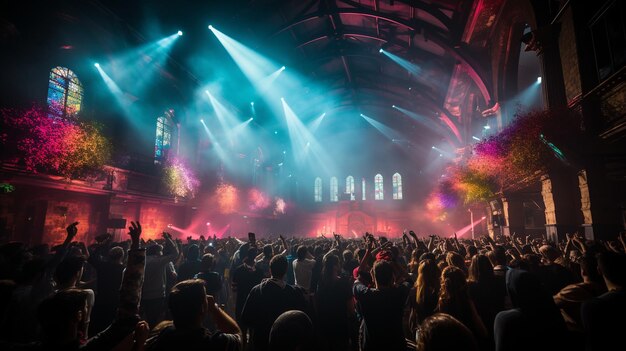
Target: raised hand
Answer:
[[135, 232], [141, 333]]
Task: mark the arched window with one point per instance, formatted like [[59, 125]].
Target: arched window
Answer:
[[65, 93], [334, 190], [350, 187], [378, 187], [318, 189], [363, 189], [397, 186], [164, 132]]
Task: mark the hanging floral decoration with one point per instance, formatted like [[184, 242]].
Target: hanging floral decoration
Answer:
[[179, 179], [509, 160], [227, 198], [58, 146]]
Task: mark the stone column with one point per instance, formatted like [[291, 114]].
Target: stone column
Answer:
[[490, 231], [513, 212], [560, 197], [601, 212], [585, 204], [506, 230]]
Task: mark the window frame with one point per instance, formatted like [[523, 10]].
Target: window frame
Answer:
[[396, 181], [64, 82], [317, 190], [379, 187]]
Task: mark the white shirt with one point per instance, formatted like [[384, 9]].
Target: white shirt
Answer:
[[303, 270]]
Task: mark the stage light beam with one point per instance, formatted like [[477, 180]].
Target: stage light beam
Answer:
[[315, 124], [254, 66], [412, 68], [113, 87], [383, 129], [300, 136], [432, 125], [265, 83], [218, 148]]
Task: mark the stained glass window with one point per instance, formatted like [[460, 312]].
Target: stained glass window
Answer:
[[363, 189], [65, 93], [163, 140], [318, 189], [334, 190], [378, 187], [397, 186], [350, 187]]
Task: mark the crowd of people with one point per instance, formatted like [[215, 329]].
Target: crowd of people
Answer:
[[371, 293]]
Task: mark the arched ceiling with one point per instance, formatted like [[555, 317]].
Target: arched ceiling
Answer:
[[337, 43]]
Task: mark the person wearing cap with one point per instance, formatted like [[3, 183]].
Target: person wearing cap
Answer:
[[381, 306]]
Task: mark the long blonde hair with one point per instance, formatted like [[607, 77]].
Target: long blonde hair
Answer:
[[428, 276]]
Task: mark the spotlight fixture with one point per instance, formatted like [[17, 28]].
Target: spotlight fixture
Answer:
[[207, 91], [210, 27], [282, 68], [282, 99], [433, 148], [393, 106], [487, 127], [275, 132], [252, 103], [381, 50], [538, 80], [96, 64], [201, 120], [251, 118], [180, 33]]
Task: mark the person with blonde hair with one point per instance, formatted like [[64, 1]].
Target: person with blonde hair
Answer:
[[425, 293], [454, 300]]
